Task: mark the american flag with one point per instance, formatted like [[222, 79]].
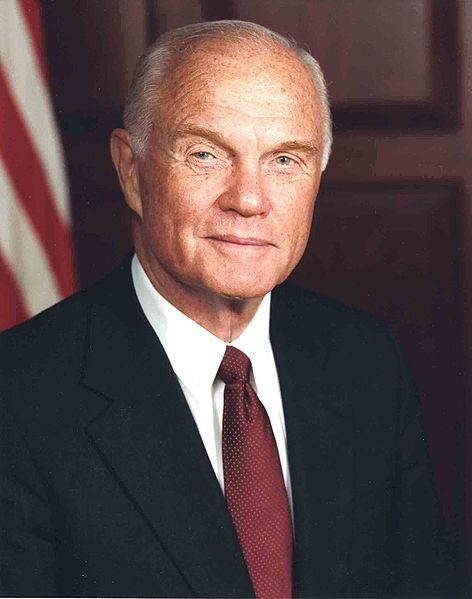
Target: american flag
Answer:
[[36, 253]]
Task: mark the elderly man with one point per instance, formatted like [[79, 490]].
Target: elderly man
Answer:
[[178, 429]]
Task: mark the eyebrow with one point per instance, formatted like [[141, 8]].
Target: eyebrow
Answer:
[[304, 146], [197, 131]]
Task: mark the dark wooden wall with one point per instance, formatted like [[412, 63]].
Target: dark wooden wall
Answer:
[[392, 230]]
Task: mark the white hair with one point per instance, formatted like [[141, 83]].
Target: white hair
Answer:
[[155, 64]]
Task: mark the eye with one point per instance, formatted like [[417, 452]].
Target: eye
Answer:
[[202, 155], [285, 160]]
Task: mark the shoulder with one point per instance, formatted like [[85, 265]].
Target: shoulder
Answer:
[[44, 337], [53, 340], [309, 313], [348, 339]]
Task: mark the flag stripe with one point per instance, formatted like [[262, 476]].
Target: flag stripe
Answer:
[[29, 92], [23, 252], [13, 309], [33, 190], [32, 14], [36, 250]]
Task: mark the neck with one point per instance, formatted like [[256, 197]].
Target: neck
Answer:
[[225, 317]]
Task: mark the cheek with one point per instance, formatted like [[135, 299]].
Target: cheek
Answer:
[[173, 223], [190, 207], [296, 244], [166, 205], [296, 219]]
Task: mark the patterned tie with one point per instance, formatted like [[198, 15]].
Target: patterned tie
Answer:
[[254, 486]]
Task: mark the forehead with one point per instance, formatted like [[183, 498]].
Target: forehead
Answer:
[[256, 82]]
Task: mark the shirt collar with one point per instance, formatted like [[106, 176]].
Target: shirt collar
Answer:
[[194, 353]]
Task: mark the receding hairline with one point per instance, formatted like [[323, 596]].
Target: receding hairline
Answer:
[[194, 66], [202, 48], [224, 44]]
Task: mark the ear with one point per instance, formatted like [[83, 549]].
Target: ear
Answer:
[[125, 161]]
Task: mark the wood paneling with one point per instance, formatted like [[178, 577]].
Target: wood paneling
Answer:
[[388, 64], [92, 49], [170, 14], [100, 215]]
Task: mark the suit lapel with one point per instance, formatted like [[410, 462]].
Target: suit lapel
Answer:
[[319, 445], [148, 438]]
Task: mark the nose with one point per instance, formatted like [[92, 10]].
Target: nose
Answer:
[[245, 193]]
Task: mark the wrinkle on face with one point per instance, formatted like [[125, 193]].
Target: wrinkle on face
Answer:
[[276, 76]]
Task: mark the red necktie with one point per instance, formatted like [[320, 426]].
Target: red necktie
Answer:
[[254, 486]]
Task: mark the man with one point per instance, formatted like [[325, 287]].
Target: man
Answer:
[[179, 430]]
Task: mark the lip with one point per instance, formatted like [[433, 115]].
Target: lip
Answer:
[[241, 241]]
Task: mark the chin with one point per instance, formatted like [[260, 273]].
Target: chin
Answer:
[[241, 290]]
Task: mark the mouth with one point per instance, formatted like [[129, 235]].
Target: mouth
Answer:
[[241, 242]]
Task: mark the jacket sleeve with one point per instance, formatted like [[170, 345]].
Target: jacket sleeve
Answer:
[[425, 566], [27, 545]]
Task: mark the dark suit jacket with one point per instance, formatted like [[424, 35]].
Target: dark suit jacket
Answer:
[[107, 489]]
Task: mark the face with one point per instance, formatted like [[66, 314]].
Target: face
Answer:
[[228, 184]]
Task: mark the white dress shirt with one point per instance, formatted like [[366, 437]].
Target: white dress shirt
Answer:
[[195, 355]]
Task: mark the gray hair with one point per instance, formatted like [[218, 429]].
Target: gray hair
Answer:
[[155, 63]]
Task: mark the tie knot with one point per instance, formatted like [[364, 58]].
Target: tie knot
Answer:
[[235, 366]]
